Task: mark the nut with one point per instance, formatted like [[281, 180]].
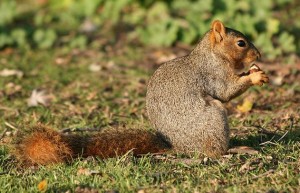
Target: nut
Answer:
[[254, 68]]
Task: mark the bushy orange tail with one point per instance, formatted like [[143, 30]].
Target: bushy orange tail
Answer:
[[41, 145]]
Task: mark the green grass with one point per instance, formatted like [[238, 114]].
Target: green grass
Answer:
[[115, 96]]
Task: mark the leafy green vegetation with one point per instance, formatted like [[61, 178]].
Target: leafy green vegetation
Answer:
[[76, 24]]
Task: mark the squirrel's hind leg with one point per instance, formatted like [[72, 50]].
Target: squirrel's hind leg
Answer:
[[204, 130], [215, 132]]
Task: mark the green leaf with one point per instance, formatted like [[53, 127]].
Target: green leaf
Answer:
[[44, 38], [79, 42], [7, 12], [287, 42], [162, 33], [272, 26], [189, 34], [5, 40], [19, 36]]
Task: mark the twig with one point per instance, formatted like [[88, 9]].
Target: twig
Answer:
[[263, 174], [10, 126], [283, 136], [268, 142]]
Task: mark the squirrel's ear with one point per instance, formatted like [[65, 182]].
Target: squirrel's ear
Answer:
[[218, 31]]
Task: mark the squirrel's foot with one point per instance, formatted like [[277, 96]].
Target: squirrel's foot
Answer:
[[258, 78]]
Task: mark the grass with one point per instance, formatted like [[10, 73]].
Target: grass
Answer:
[[114, 95]]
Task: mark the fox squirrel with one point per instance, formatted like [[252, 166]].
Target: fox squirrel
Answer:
[[185, 95], [184, 103]]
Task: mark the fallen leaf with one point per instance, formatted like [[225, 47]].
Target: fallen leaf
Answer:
[[111, 64], [228, 156], [60, 60], [242, 150], [88, 26], [8, 72], [92, 95], [39, 97], [42, 186], [245, 167], [269, 157], [83, 171], [11, 89], [214, 182], [95, 67], [246, 106], [87, 172], [277, 81]]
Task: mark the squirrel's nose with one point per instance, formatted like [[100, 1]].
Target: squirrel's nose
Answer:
[[255, 54]]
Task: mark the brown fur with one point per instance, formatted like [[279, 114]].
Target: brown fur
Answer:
[[41, 145], [115, 142], [217, 32], [185, 96]]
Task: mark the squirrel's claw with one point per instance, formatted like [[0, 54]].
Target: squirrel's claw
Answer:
[[258, 78]]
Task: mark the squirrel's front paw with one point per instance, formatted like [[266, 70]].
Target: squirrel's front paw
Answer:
[[259, 78]]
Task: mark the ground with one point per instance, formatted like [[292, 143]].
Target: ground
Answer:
[[94, 89]]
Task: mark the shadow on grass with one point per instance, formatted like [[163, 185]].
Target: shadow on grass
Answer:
[[266, 137], [63, 188]]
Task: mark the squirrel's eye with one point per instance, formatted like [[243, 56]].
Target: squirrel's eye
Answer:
[[241, 43]]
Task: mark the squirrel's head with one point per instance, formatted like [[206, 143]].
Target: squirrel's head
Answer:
[[233, 46]]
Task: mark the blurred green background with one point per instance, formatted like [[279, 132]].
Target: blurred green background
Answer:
[[44, 24]]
